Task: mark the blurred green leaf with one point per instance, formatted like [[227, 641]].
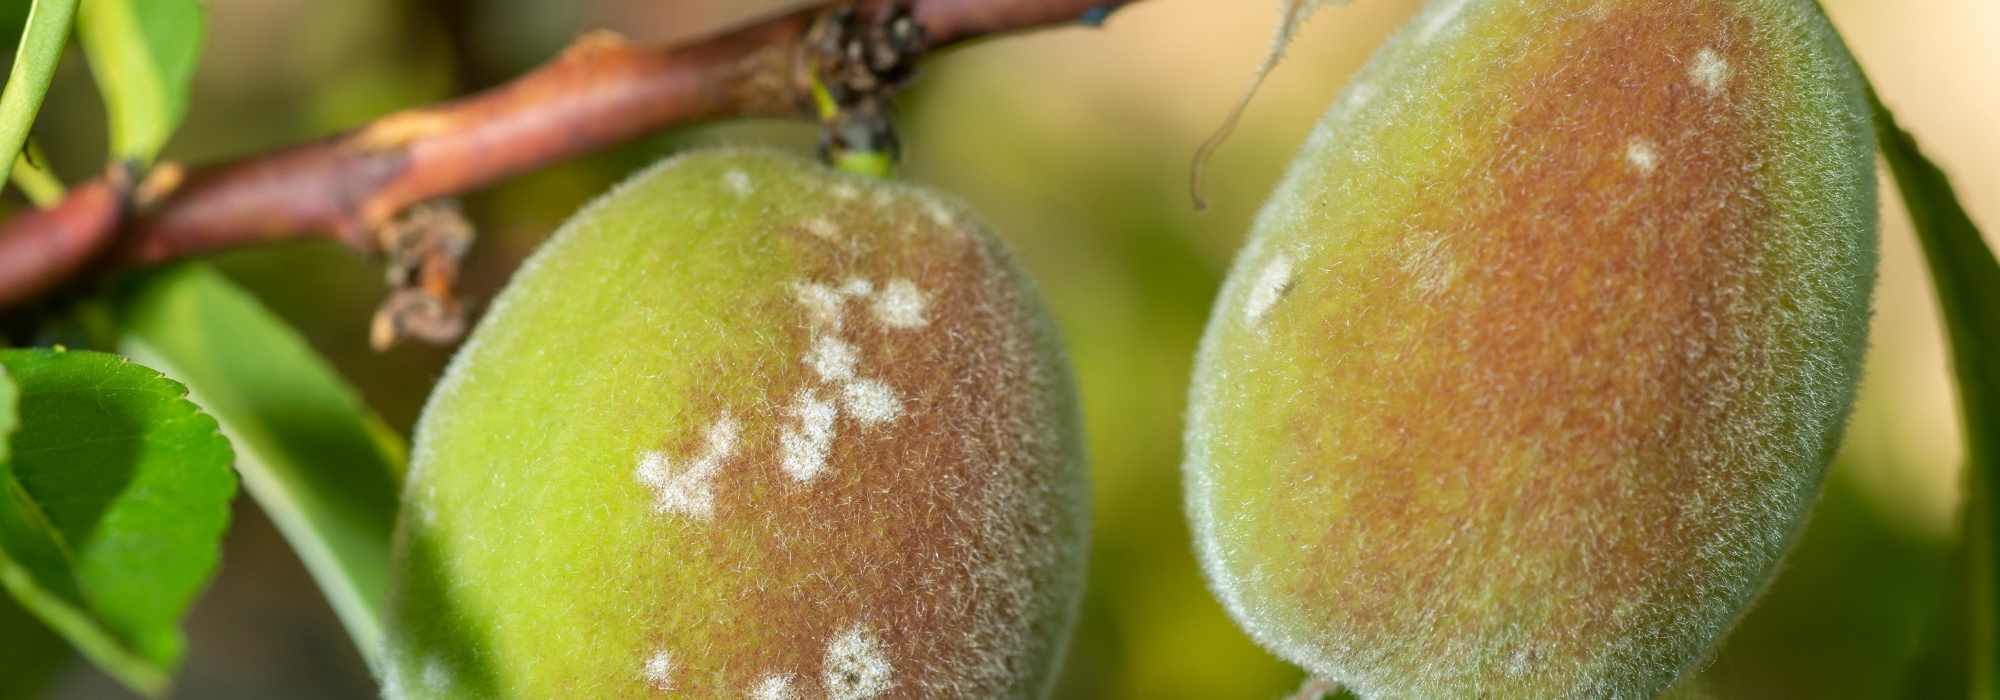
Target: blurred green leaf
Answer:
[[117, 497], [1967, 280], [13, 17], [41, 47], [324, 468], [143, 53], [31, 651]]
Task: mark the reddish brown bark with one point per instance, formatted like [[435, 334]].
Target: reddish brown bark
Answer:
[[599, 92]]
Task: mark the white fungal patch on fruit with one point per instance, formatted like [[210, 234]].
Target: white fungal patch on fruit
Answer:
[[823, 228], [775, 687], [1642, 156], [1443, 18], [833, 359], [901, 305], [871, 402], [690, 492], [1272, 283], [437, 676], [1358, 98], [1709, 71], [1430, 267], [822, 303], [659, 671], [803, 449], [427, 512], [856, 667], [898, 304], [940, 214], [738, 182], [1519, 662]]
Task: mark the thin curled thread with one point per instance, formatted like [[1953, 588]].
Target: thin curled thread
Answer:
[[1294, 15]]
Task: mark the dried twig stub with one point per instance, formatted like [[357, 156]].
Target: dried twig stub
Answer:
[[424, 248]]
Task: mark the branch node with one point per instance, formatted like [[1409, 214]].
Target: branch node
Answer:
[[594, 42], [159, 183], [424, 247], [858, 63]]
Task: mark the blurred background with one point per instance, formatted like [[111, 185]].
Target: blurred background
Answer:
[[1073, 144]]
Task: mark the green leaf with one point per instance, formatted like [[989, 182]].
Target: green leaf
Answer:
[[325, 468], [143, 53], [35, 62], [13, 18], [32, 652], [1967, 279], [118, 493]]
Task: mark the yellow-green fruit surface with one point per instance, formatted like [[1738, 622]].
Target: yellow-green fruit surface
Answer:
[[1532, 367], [747, 428]]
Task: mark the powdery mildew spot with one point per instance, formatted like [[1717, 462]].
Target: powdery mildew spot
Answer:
[[436, 676], [690, 492], [823, 228], [738, 182], [871, 402], [940, 214], [833, 359], [1709, 71], [1430, 267], [1519, 662], [427, 512], [803, 449], [822, 303], [659, 671], [901, 305], [774, 687], [856, 668], [1272, 283], [1643, 157], [1358, 98], [857, 287], [804, 446], [1442, 20]]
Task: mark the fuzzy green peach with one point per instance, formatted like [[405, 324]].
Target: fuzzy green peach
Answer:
[[747, 427], [1531, 370]]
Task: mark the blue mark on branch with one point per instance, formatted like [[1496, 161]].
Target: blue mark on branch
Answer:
[[1095, 17]]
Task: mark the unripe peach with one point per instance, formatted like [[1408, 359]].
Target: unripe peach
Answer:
[[1531, 370], [747, 428]]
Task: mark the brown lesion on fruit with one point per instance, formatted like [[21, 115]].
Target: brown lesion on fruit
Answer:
[[1601, 320], [927, 532]]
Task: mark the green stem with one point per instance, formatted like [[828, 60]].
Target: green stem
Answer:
[[34, 67], [41, 186]]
